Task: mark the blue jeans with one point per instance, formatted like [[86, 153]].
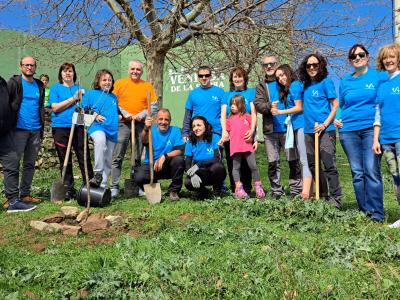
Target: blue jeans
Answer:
[[366, 171]]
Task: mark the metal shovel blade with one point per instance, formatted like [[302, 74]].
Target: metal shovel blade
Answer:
[[58, 191], [153, 192]]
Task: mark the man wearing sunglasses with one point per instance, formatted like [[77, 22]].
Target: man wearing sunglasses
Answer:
[[274, 129], [205, 101], [26, 96]]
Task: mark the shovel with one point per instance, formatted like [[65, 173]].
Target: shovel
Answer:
[[152, 190], [58, 189], [131, 189], [316, 152]]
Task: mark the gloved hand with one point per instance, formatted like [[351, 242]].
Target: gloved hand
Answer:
[[196, 181], [192, 170]]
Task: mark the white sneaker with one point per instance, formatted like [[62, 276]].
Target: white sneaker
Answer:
[[395, 224], [114, 193], [141, 193]]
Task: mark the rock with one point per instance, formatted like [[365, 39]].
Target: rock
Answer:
[[55, 227], [39, 225], [115, 220], [82, 217], [70, 212], [94, 223], [71, 230], [54, 218]]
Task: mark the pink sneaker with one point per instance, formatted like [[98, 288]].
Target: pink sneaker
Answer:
[[259, 190], [240, 193]]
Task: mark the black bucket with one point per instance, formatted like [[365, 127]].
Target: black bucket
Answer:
[[99, 197]]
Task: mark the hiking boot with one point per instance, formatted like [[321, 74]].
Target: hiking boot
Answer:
[[19, 206], [259, 190], [30, 199], [96, 180], [240, 193], [174, 196]]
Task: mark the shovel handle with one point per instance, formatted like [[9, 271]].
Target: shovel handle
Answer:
[[316, 152], [133, 143], [151, 161], [64, 169]]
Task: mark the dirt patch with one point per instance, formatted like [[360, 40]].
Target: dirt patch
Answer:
[[30, 295], [186, 217], [134, 233], [38, 247]]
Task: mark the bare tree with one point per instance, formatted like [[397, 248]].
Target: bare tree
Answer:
[[223, 33]]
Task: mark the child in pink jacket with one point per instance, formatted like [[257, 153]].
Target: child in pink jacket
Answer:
[[238, 123]]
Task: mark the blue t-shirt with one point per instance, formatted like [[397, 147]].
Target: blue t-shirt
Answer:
[[104, 104], [206, 102], [29, 112], [248, 96], [316, 104], [164, 142], [278, 120], [357, 96], [388, 98], [59, 93], [203, 150], [296, 93]]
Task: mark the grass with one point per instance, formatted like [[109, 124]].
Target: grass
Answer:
[[214, 249]]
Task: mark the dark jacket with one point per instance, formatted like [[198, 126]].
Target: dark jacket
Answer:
[[15, 94], [5, 109], [262, 102]]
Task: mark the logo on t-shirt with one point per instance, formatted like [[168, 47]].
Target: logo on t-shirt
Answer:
[[168, 142], [396, 90], [215, 98], [315, 93], [246, 122], [210, 150], [369, 86]]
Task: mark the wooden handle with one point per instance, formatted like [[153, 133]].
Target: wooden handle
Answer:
[[133, 143], [316, 152], [151, 162], [64, 169]]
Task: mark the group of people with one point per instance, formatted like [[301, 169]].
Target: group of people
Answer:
[[296, 106]]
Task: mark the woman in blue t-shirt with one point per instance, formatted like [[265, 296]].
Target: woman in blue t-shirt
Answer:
[[104, 130], [291, 92], [387, 121], [203, 159], [64, 97], [238, 80], [319, 108], [357, 95]]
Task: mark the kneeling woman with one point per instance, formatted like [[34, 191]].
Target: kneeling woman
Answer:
[[203, 159]]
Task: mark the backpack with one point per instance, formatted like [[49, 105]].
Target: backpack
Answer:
[[6, 121]]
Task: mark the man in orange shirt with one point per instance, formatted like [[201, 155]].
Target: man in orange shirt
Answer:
[[132, 99]]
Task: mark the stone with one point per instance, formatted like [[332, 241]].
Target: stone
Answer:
[[54, 218], [82, 217], [39, 225], [70, 212], [115, 220], [95, 222], [71, 230], [55, 227]]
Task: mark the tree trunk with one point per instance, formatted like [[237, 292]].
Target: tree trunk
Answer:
[[155, 72]]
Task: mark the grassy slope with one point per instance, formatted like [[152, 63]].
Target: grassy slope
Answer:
[[213, 249]]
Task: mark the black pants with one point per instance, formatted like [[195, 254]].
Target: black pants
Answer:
[[328, 176], [173, 168], [214, 175], [245, 172], [61, 136]]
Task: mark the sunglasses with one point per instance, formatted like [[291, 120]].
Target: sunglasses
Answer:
[[359, 54], [314, 66], [203, 75], [268, 65]]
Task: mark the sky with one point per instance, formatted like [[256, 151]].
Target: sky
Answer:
[[363, 14]]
